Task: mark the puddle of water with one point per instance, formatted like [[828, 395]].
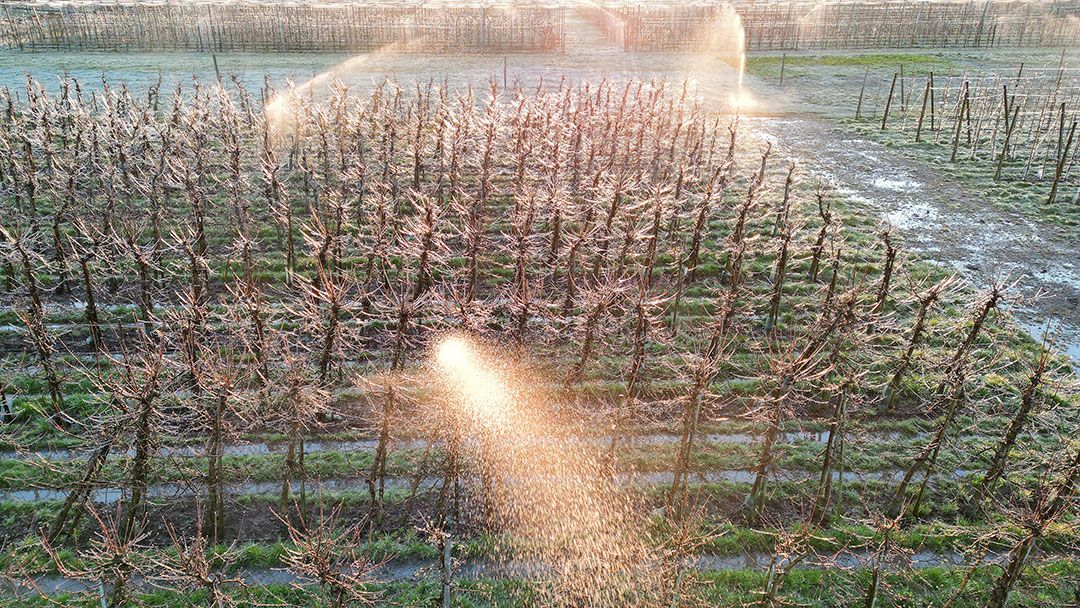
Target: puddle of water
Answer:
[[1068, 341], [747, 477], [241, 449], [369, 445], [912, 216], [110, 495], [733, 438], [1061, 273], [897, 184]]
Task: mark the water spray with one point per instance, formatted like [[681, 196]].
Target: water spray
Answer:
[[582, 535]]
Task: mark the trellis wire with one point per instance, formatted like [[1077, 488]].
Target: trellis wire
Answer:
[[772, 25], [278, 26], [1020, 119]]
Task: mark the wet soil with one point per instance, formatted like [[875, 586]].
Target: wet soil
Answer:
[[944, 221]]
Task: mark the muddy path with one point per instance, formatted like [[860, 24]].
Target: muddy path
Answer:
[[941, 220]]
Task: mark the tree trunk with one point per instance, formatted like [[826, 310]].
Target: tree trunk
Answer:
[[214, 453], [77, 497], [828, 459], [996, 470]]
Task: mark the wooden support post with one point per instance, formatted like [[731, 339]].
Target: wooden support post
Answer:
[[446, 569], [1061, 165], [862, 91], [967, 111], [932, 129], [922, 113], [1061, 130], [961, 105], [1009, 126], [903, 97], [888, 102]]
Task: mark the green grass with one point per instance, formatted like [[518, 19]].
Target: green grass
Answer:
[[809, 588], [798, 65], [1011, 194]]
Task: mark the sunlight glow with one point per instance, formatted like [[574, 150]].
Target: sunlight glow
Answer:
[[546, 493], [279, 110], [453, 354], [482, 392], [743, 100]]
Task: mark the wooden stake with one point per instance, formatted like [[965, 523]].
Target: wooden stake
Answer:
[[862, 91], [1061, 165], [932, 129], [888, 102], [922, 112], [1061, 130], [961, 105], [1009, 125], [903, 98]]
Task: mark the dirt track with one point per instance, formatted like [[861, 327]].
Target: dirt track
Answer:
[[945, 222]]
